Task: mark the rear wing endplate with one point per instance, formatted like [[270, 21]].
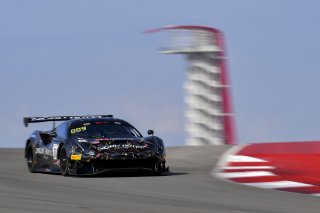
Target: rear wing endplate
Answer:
[[27, 120]]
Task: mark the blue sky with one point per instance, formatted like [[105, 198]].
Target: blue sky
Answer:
[[91, 57]]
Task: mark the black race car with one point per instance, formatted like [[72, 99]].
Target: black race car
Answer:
[[88, 145]]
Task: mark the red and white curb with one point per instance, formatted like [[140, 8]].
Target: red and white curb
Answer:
[[257, 172]]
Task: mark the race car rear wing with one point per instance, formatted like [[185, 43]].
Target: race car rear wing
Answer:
[[27, 120]]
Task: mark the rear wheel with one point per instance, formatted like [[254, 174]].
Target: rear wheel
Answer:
[[30, 159], [64, 162]]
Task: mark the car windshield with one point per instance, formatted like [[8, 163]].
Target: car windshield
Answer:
[[104, 130]]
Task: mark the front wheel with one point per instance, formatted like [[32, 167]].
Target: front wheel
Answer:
[[158, 168], [64, 162]]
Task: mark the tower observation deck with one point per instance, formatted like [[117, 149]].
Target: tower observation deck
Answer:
[[209, 113]]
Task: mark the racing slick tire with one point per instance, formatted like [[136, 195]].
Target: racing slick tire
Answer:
[[158, 168], [64, 162], [30, 160]]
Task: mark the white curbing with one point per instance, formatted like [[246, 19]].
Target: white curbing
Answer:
[[230, 156], [245, 174], [279, 184]]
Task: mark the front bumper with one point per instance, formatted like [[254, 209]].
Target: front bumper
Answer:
[[97, 166]]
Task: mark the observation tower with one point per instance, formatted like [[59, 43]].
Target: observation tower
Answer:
[[209, 113]]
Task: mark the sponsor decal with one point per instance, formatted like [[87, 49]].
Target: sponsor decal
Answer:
[[122, 146], [35, 119], [55, 151], [75, 157], [99, 123], [44, 151]]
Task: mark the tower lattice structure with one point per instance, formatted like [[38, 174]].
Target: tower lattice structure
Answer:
[[207, 89]]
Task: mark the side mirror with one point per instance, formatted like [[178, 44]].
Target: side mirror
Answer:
[[150, 132]]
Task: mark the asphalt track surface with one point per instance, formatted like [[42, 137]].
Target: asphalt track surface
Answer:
[[188, 188]]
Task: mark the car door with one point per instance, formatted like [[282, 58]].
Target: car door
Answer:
[[61, 135], [44, 150]]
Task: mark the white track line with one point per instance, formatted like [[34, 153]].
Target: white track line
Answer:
[[243, 158], [247, 167], [278, 184], [223, 159], [245, 174]]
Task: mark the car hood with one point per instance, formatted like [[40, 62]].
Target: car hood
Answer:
[[114, 147]]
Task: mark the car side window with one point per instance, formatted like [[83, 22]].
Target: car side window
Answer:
[[61, 131]]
